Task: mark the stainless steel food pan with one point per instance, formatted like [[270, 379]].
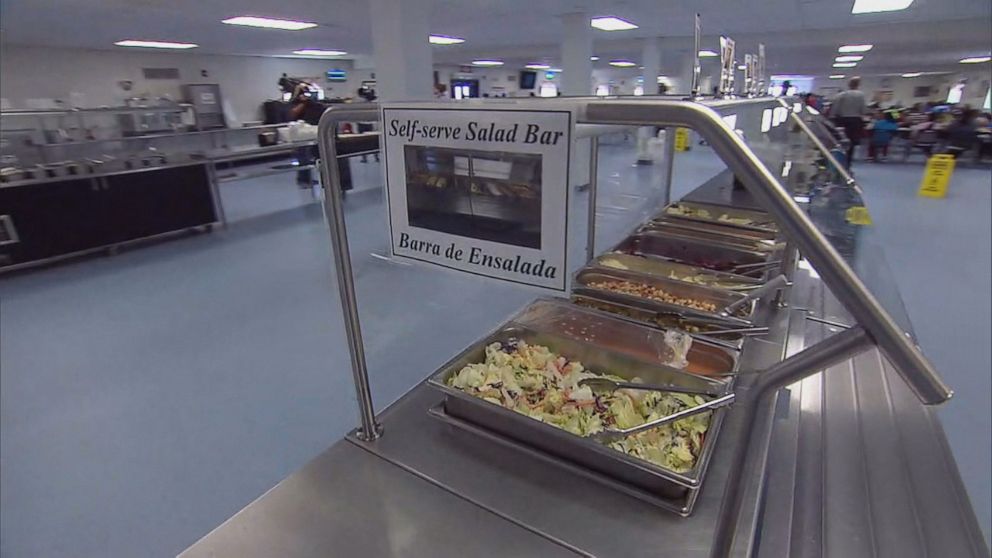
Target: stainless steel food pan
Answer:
[[669, 269], [562, 317], [582, 284], [688, 229], [694, 252], [712, 227], [669, 485], [704, 212], [700, 329]]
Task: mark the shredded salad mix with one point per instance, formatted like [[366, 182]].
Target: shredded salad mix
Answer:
[[532, 380]]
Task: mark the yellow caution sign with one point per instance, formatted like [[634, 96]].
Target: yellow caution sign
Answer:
[[937, 176], [857, 215], [681, 139]]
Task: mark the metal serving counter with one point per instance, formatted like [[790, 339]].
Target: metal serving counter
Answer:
[[823, 453], [430, 488]]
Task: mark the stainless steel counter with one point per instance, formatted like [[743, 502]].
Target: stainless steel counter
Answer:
[[855, 467]]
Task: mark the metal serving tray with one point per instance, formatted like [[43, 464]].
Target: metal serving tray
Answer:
[[672, 227], [663, 220], [562, 317], [668, 269], [690, 251], [699, 329], [760, 220], [676, 490], [720, 298]]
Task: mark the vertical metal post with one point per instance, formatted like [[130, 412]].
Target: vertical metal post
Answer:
[[668, 165], [790, 257], [334, 212], [593, 180], [697, 30]]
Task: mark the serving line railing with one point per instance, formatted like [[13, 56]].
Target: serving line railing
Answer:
[[874, 326]]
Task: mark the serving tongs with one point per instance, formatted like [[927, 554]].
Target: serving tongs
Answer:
[[748, 269], [771, 286], [612, 435]]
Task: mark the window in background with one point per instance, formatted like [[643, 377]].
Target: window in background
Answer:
[[954, 95]]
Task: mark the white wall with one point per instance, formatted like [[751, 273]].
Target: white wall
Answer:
[[245, 81], [903, 88]]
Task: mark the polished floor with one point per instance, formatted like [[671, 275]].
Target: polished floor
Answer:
[[148, 396]]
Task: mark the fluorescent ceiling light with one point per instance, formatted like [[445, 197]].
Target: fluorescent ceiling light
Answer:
[[872, 6], [741, 67], [319, 52], [976, 60], [622, 63], [845, 64], [611, 23], [850, 58], [555, 70], [912, 74], [855, 48], [154, 44], [594, 58], [837, 76], [707, 54], [269, 23], [487, 62], [537, 67], [444, 40]]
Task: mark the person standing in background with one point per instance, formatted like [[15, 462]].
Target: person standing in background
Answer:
[[847, 111]]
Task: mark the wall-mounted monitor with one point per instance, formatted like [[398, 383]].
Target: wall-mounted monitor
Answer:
[[527, 79], [337, 75]]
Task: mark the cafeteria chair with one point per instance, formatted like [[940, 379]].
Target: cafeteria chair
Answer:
[[926, 142]]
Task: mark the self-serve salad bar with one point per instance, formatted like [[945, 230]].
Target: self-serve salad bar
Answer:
[[673, 404]]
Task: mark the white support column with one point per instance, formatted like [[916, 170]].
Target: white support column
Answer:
[[403, 60], [576, 49], [651, 59]]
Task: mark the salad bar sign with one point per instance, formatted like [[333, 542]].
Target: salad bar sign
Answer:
[[483, 191]]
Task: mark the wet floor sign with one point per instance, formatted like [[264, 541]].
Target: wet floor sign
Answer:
[[937, 176], [681, 139]]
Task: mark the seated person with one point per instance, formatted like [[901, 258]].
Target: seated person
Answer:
[[962, 133], [882, 133], [924, 135]]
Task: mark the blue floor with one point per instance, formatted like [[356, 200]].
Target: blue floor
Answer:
[[147, 397]]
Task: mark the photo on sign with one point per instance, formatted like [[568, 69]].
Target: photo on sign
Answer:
[[487, 195]]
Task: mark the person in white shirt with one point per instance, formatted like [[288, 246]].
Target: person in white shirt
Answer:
[[847, 111]]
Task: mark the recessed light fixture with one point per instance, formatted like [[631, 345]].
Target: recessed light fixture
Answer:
[[855, 48], [845, 64], [444, 40], [837, 76], [537, 67], [487, 62], [707, 54], [611, 23], [269, 23], [849, 58], [872, 6], [912, 74], [319, 52], [976, 60], [154, 44], [622, 63], [594, 58]]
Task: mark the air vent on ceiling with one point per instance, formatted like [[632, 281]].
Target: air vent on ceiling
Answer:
[[160, 73]]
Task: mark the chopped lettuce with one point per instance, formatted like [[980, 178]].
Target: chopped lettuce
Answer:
[[535, 382]]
